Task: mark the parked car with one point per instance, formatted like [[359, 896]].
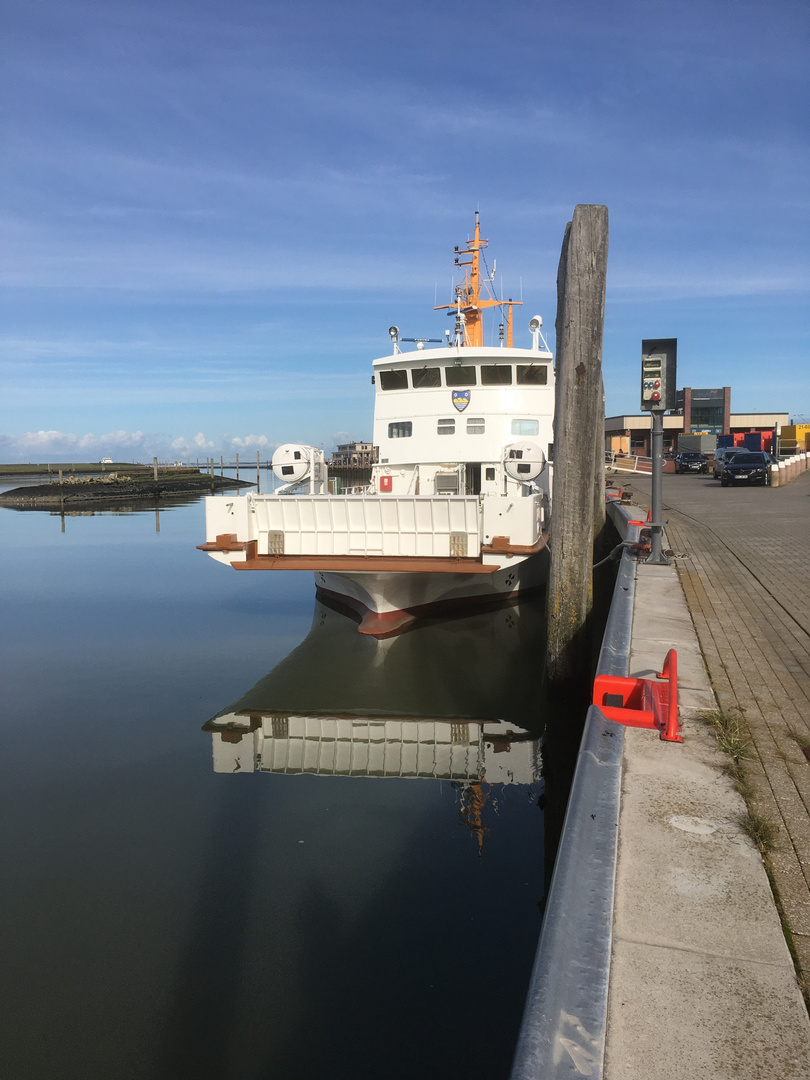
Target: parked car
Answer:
[[724, 454], [691, 461], [748, 468]]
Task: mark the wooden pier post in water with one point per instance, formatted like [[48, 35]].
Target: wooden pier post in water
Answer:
[[258, 474], [578, 441], [578, 465]]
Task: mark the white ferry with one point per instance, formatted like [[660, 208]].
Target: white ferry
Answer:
[[458, 508]]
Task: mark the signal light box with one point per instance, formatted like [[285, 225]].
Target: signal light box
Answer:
[[658, 374]]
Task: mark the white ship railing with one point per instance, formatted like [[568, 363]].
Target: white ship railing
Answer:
[[371, 748], [367, 525]]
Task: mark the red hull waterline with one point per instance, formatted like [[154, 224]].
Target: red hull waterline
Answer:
[[381, 624]]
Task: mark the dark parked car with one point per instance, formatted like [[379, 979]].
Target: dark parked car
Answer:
[[751, 468], [691, 461], [724, 454]]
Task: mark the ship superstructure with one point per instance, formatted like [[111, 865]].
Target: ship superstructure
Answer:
[[458, 507]]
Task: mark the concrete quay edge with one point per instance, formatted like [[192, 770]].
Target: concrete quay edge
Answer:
[[701, 980], [661, 951]]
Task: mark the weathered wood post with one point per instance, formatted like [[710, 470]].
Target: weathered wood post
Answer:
[[578, 501], [599, 511], [155, 468], [578, 437]]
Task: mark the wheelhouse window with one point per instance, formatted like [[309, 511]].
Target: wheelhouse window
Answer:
[[394, 380], [459, 376], [475, 425], [496, 374], [446, 427], [525, 427], [422, 378], [532, 374], [402, 429]]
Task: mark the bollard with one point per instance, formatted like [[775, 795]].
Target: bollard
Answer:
[[643, 703]]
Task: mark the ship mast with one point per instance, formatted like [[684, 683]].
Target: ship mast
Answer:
[[469, 301]]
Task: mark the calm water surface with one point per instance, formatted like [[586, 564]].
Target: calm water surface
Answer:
[[188, 903]]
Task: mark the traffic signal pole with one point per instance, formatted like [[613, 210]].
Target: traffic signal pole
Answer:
[[658, 374], [656, 555]]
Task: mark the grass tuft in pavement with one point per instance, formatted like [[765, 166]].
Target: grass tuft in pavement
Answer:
[[762, 832], [732, 738], [800, 739]]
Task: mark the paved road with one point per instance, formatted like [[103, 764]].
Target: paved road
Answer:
[[744, 563]]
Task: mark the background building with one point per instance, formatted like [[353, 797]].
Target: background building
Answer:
[[705, 412], [355, 455]]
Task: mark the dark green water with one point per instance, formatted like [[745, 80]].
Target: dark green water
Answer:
[[176, 904]]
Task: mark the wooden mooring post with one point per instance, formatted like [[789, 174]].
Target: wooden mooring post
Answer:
[[578, 505], [578, 442]]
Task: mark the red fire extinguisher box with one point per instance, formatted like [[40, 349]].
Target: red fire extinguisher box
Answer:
[[386, 483]]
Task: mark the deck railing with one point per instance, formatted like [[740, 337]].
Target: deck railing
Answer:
[[627, 463]]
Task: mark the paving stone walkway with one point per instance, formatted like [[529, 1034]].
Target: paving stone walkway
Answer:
[[744, 564]]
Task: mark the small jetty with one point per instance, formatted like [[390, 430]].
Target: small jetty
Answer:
[[125, 484]]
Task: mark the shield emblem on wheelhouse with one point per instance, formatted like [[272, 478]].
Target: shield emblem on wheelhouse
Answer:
[[461, 399]]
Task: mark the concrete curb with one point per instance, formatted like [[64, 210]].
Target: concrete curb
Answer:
[[565, 1021], [662, 954], [701, 981]]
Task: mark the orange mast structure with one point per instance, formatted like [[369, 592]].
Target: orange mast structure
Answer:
[[469, 301], [473, 800]]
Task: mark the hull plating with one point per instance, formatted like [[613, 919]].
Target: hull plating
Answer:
[[388, 602]]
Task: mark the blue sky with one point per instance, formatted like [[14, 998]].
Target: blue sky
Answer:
[[212, 212]]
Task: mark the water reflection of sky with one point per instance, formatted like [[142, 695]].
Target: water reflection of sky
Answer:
[[164, 919]]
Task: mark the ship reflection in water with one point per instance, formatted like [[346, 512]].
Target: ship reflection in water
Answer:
[[453, 700]]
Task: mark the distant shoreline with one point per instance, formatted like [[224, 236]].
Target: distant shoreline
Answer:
[[39, 468], [115, 485]]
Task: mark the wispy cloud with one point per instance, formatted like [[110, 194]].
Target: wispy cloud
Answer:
[[138, 446], [216, 206], [65, 446]]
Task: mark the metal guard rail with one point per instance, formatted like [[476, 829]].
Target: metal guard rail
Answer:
[[562, 1035], [628, 463]]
